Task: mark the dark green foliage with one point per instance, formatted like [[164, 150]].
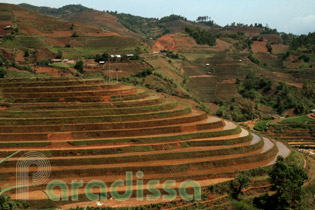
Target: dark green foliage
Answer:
[[8, 37], [242, 181], [3, 72], [42, 63], [6, 203], [309, 89], [26, 53], [241, 205], [103, 57], [305, 58], [74, 35], [171, 54], [142, 74], [287, 38], [287, 180], [59, 55], [136, 24], [269, 47], [79, 66], [269, 31], [60, 12], [201, 36], [171, 18], [253, 59], [307, 41]]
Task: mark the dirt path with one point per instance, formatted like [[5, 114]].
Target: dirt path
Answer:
[[284, 151]]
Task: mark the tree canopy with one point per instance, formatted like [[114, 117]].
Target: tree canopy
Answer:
[[201, 36]]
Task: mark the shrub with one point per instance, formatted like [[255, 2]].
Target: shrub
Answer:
[[253, 59], [42, 63], [146, 72], [74, 35], [3, 72], [79, 66]]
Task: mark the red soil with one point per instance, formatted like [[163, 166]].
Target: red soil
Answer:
[[20, 56], [259, 47], [52, 71], [166, 42], [279, 48], [222, 45]]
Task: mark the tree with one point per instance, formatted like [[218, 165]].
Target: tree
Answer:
[[3, 72], [79, 66], [287, 180], [242, 181], [6, 203], [26, 53], [74, 35], [59, 54]]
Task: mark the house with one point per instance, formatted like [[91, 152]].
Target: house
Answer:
[[102, 62], [313, 111], [130, 55], [116, 56], [208, 64]]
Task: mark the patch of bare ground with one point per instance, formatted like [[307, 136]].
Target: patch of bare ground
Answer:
[[259, 47]]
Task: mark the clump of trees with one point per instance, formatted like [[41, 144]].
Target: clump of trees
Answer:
[[171, 54], [269, 47], [253, 59], [79, 66], [172, 18], [101, 57], [201, 36], [304, 41], [3, 72], [287, 180]]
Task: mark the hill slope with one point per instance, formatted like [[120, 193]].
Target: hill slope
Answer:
[[84, 15], [45, 36]]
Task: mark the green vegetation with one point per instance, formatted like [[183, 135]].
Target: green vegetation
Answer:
[[304, 43], [101, 57], [261, 126], [3, 72], [253, 59], [301, 119], [172, 18], [201, 36], [242, 181], [287, 180], [79, 66]]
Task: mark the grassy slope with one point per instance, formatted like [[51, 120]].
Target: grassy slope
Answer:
[[47, 35]]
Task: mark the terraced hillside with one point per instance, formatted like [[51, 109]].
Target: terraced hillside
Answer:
[[90, 129], [298, 132]]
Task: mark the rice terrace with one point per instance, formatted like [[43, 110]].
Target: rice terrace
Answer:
[[102, 109]]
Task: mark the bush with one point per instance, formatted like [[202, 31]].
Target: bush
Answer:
[[74, 35], [3, 72], [171, 54], [269, 47], [42, 63], [79, 66], [253, 59], [146, 72], [102, 57]]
